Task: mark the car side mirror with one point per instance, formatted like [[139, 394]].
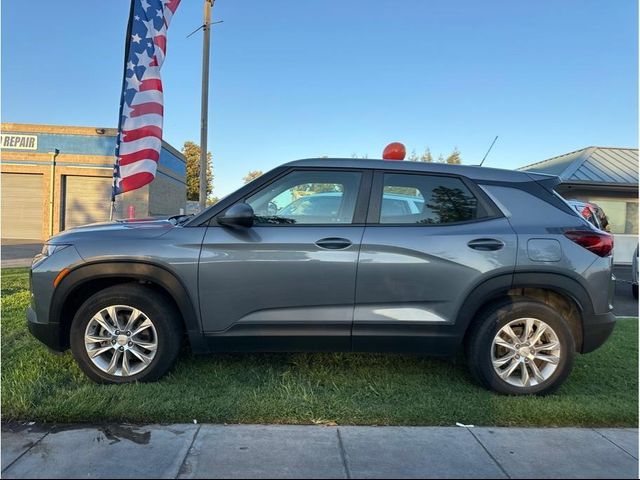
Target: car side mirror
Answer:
[[239, 215]]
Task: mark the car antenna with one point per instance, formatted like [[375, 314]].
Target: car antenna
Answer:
[[485, 155]]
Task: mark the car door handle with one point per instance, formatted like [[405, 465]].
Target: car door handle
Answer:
[[333, 243], [486, 244]]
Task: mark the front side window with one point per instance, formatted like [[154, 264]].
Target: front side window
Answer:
[[430, 200], [307, 197]]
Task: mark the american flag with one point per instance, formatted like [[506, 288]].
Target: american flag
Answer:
[[139, 138]]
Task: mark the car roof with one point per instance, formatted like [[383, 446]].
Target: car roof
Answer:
[[471, 171]]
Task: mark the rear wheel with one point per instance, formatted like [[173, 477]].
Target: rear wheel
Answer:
[[521, 348], [124, 334]]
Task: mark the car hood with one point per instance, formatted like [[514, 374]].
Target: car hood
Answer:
[[143, 228]]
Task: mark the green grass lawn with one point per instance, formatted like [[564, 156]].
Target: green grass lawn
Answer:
[[364, 389]]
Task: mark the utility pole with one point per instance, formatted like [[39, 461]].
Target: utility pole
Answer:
[[204, 109], [52, 175]]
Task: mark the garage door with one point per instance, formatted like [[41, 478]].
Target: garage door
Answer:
[[22, 207], [86, 200]]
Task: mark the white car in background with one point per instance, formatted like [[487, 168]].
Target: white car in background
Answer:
[[328, 203]]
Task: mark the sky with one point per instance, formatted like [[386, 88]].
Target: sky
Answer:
[[296, 79]]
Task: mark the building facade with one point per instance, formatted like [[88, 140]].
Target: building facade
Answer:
[[44, 193], [607, 177]]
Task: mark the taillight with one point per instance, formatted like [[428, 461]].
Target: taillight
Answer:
[[600, 243], [586, 213]]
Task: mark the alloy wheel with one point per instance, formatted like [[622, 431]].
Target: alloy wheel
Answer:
[[525, 352], [121, 340]]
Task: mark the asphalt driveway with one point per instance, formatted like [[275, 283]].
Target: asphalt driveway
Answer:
[[19, 253]]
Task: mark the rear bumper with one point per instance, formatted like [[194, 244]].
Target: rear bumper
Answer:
[[596, 330], [47, 333]]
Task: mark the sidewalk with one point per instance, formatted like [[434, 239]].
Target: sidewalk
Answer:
[[255, 451]]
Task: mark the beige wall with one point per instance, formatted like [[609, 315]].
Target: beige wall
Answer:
[[167, 195]]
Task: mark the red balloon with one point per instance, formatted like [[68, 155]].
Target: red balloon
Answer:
[[394, 151]]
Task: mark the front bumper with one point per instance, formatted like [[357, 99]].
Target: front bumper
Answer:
[[47, 333], [596, 330], [41, 278]]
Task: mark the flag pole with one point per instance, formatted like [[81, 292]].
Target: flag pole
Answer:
[[127, 43], [204, 107]]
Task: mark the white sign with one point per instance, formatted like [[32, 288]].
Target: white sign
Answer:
[[19, 142]]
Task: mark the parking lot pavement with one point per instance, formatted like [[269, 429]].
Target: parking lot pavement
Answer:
[[287, 451], [624, 305], [18, 253]]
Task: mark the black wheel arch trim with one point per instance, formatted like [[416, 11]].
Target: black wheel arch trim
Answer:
[[135, 270], [561, 283], [495, 287]]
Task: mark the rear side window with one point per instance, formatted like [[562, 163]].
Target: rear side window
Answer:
[[436, 199]]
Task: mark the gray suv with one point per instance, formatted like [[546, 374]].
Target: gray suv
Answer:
[[339, 255]]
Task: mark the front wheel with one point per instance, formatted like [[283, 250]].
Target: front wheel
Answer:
[[521, 348], [126, 333]]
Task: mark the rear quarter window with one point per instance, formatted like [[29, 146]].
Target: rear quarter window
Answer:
[[439, 200]]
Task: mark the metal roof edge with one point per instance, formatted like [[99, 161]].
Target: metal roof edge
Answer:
[[554, 158], [577, 163]]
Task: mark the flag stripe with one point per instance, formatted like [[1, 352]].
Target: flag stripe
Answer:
[[151, 84], [152, 119], [145, 108], [138, 167], [137, 180], [139, 155], [138, 133], [148, 96], [161, 42], [146, 143]]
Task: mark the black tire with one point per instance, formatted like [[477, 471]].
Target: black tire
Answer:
[[163, 315], [634, 290], [488, 324]]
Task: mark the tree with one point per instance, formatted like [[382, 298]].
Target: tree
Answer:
[[251, 176], [454, 157], [191, 152], [426, 156], [450, 205]]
